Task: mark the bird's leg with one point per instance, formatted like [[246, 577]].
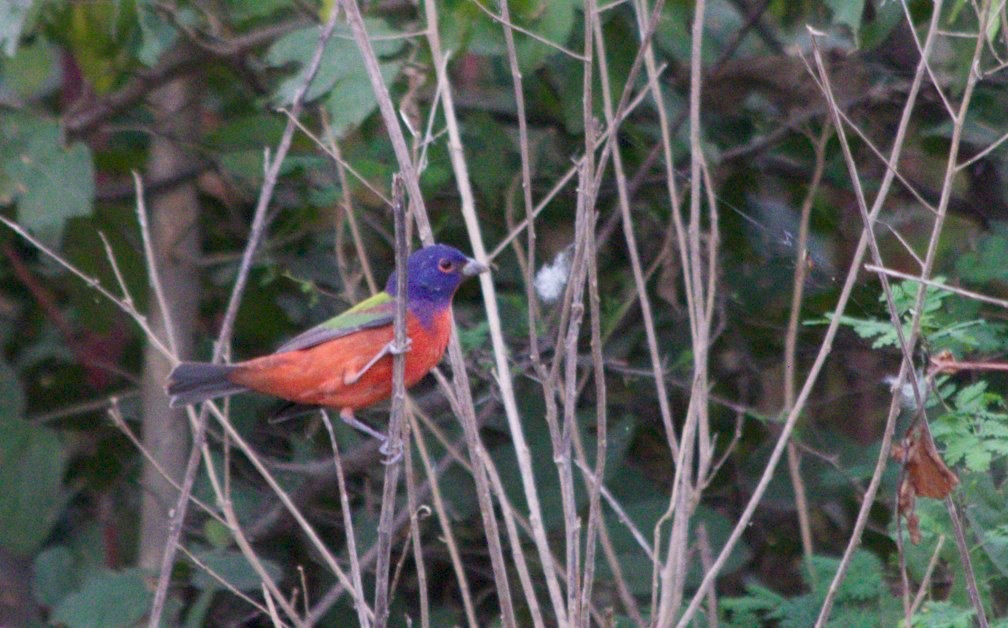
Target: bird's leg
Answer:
[[389, 349], [391, 457]]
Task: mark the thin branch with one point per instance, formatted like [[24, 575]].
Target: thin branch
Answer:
[[152, 270], [511, 26], [685, 492], [181, 60], [333, 152], [791, 345], [406, 166], [468, 209], [94, 284], [415, 509], [623, 195], [964, 549], [444, 521], [825, 349], [906, 366], [219, 578], [931, 283], [573, 170], [617, 508], [925, 584], [395, 443], [364, 614], [256, 234], [253, 559]]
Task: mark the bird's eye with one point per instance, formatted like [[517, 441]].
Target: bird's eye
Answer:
[[446, 265]]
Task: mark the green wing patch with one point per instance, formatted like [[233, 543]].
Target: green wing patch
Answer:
[[375, 311]]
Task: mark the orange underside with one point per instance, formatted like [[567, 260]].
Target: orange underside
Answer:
[[317, 375]]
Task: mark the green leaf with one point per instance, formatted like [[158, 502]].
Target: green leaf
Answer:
[[987, 515], [13, 15], [216, 533], [340, 59], [51, 183], [883, 332], [107, 599], [971, 398], [986, 264], [847, 13], [944, 614], [234, 569], [993, 22], [11, 394], [247, 9], [29, 73], [55, 575], [876, 32], [553, 20], [352, 99], [474, 336], [31, 474], [158, 34]]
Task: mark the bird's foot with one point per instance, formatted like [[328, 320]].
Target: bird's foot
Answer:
[[393, 349], [391, 455], [389, 349]]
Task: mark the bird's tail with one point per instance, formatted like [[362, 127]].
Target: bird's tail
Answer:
[[193, 382]]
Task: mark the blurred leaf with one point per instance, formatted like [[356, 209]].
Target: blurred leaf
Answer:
[[157, 33], [942, 614], [553, 20], [32, 70], [217, 534], [11, 394], [847, 13], [718, 528], [51, 183], [352, 100], [249, 132], [994, 25], [107, 599], [341, 75], [31, 474], [100, 36], [235, 569], [475, 336], [13, 15], [988, 517], [248, 9], [55, 575], [877, 31], [987, 263], [491, 152]]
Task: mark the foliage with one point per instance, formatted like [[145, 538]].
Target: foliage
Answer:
[[77, 81], [862, 599]]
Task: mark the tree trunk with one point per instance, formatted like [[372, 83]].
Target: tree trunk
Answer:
[[174, 223]]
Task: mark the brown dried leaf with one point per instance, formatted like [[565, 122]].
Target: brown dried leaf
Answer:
[[927, 472], [913, 527]]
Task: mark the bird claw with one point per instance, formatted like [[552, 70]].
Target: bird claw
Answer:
[[390, 457], [394, 349], [389, 349]]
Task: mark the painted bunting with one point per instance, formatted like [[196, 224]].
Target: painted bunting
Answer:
[[346, 362]]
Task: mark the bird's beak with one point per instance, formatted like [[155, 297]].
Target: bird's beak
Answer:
[[473, 268]]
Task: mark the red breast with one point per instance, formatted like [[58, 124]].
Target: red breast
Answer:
[[317, 375]]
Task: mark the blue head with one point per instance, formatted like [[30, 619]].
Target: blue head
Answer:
[[434, 274]]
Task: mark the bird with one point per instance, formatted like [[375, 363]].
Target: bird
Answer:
[[346, 362]]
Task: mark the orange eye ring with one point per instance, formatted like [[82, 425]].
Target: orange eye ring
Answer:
[[446, 265]]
